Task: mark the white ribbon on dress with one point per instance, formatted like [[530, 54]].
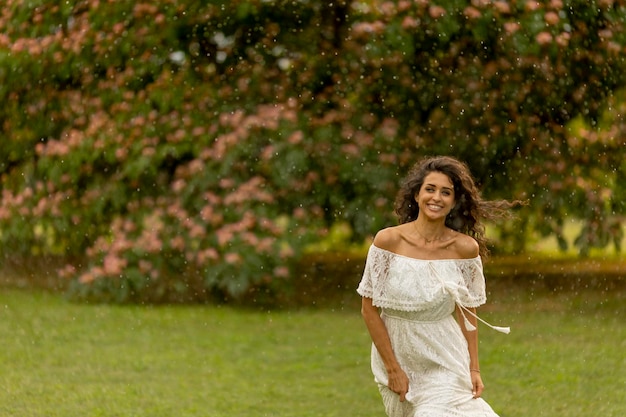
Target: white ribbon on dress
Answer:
[[458, 292], [470, 327]]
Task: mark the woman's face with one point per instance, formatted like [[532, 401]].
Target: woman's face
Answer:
[[436, 197]]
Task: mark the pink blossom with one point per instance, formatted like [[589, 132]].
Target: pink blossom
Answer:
[[178, 185], [270, 226], [207, 214], [56, 148], [409, 22], [154, 222], [614, 47], [543, 38], [532, 5], [252, 190], [178, 136], [563, 38], [40, 148], [388, 158], [86, 277], [196, 166], [144, 9], [224, 235], [99, 144], [19, 45], [178, 243], [363, 139], [511, 27], [436, 11], [552, 18], [389, 127], [74, 138], [149, 241], [5, 213], [129, 226], [268, 116], [268, 152], [404, 5], [42, 207], [227, 183], [209, 254], [198, 131], [176, 211], [247, 222], [196, 231], [296, 137], [67, 271], [265, 244], [281, 272], [350, 149], [232, 258], [299, 213], [212, 198], [154, 274], [121, 153], [365, 28], [91, 275], [113, 265], [232, 118], [121, 244], [472, 12], [556, 4]]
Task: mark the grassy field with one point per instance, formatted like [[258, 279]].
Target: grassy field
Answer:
[[564, 357]]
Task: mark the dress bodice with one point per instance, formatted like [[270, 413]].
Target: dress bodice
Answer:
[[409, 284]]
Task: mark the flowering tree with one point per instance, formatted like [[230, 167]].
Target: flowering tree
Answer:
[[195, 148]]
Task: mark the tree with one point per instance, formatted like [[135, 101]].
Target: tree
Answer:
[[196, 148]]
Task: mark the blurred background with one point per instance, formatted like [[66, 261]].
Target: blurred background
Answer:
[[247, 151]]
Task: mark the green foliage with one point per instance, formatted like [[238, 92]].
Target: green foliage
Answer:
[[216, 140]]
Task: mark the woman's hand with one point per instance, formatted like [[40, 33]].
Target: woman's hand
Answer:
[[477, 384], [398, 382]]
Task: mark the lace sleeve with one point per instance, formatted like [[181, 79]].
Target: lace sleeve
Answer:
[[474, 281], [376, 268]]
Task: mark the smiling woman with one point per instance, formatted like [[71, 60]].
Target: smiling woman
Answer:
[[416, 276]]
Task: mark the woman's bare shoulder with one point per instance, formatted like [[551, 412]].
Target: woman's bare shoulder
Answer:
[[387, 238], [466, 246]]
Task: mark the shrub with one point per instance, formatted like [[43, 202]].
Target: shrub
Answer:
[[214, 142]]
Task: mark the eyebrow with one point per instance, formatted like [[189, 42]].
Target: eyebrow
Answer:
[[435, 185]]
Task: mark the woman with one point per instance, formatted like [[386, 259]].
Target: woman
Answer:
[[418, 274]]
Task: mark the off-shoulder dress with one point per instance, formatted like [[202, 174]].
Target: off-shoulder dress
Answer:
[[417, 300]]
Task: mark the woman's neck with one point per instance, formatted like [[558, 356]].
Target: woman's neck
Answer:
[[430, 231]]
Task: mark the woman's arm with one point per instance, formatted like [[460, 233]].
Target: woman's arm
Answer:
[[398, 381], [472, 345]]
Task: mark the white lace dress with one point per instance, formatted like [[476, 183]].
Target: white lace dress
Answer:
[[418, 299]]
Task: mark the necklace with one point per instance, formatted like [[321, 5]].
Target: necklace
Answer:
[[425, 238]]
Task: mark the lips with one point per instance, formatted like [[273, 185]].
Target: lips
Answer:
[[434, 207]]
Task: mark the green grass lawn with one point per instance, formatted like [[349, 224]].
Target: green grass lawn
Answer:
[[564, 357]]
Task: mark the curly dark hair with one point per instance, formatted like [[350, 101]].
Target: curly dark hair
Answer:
[[469, 210]]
